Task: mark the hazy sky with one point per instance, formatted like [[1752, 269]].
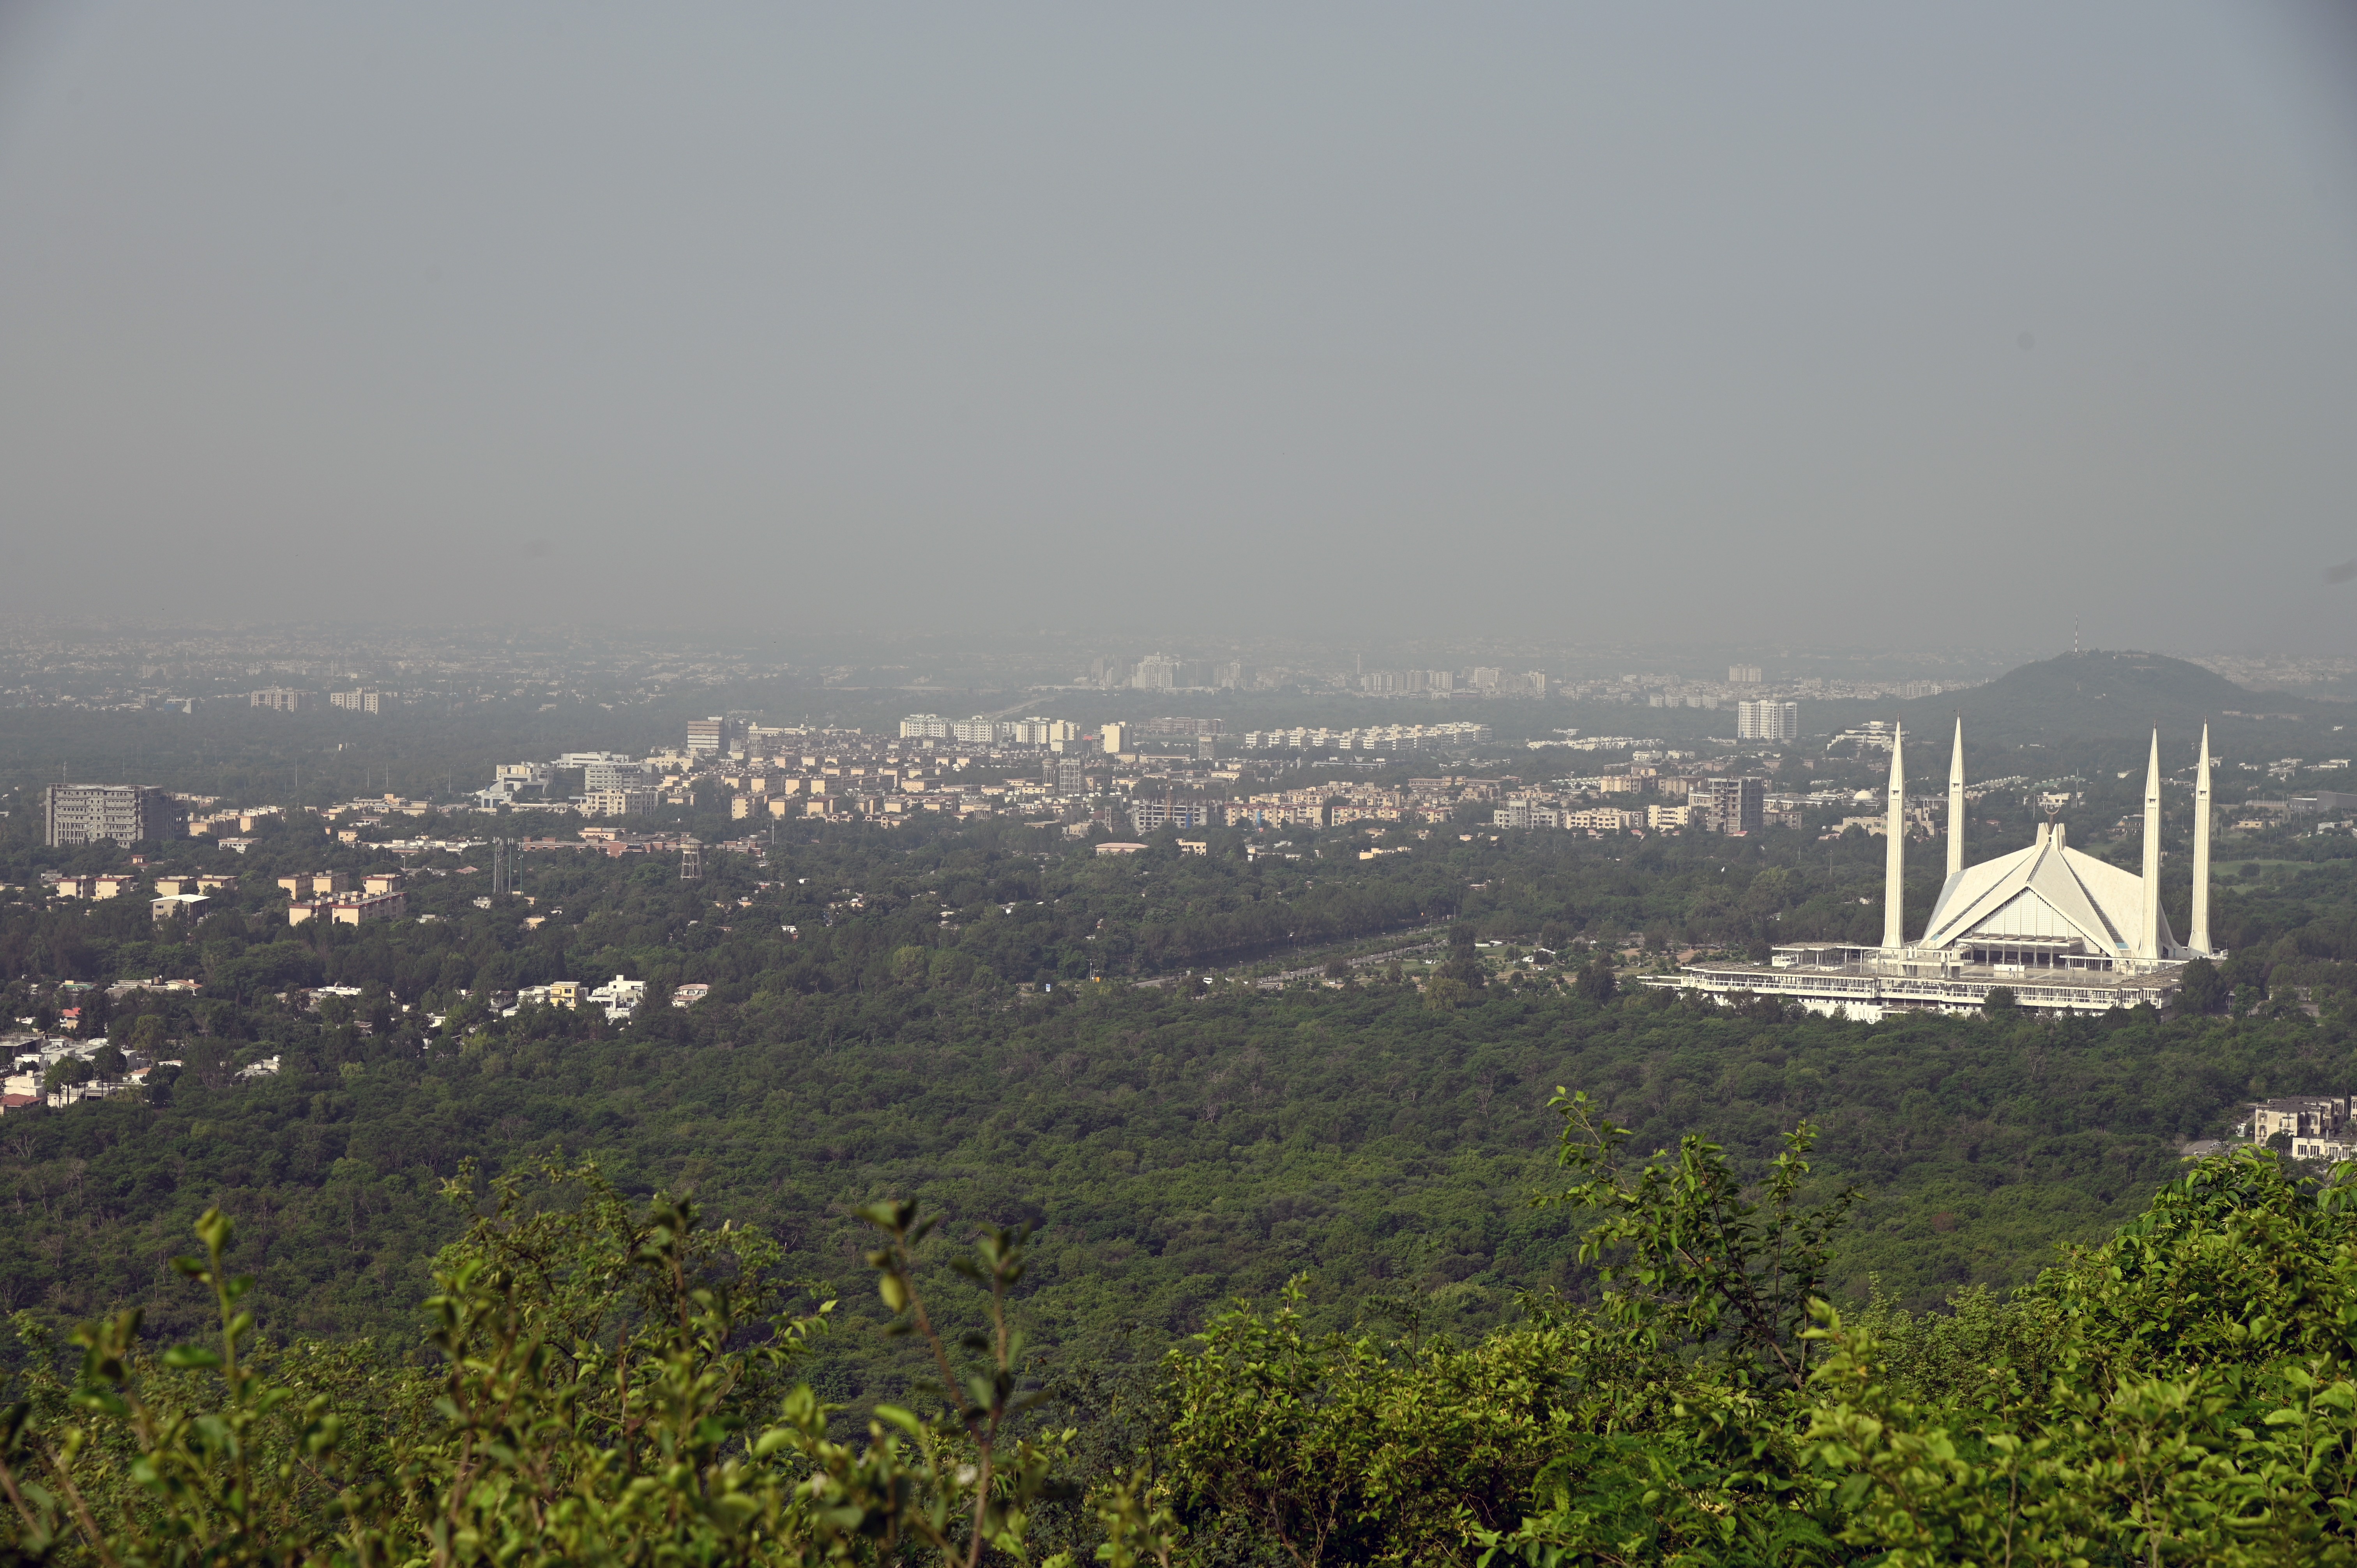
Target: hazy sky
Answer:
[[1859, 323]]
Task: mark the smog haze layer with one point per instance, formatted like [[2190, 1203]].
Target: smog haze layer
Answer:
[[1832, 323]]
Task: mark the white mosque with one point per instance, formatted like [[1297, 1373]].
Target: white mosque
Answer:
[[2064, 931]]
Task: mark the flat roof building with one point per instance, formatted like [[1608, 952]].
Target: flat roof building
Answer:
[[120, 813]]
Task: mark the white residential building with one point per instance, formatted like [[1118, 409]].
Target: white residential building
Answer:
[[1767, 719]]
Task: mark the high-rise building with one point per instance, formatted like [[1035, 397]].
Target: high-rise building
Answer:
[[365, 700], [924, 726], [1767, 719], [123, 813], [1231, 677], [1735, 805], [1156, 672], [1743, 674], [1116, 738], [711, 736], [285, 700], [977, 731]]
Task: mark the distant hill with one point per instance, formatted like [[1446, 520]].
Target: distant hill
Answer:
[[2092, 696]]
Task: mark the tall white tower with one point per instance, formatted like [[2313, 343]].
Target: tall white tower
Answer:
[[2148, 932], [1956, 802], [2199, 938], [1894, 881]]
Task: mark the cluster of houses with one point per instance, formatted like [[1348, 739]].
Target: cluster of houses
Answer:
[[331, 895], [170, 896], [2318, 1126], [618, 997]]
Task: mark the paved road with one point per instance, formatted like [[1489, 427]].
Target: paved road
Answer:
[[1273, 982]]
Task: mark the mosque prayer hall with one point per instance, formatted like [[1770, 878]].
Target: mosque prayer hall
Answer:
[[2064, 931]]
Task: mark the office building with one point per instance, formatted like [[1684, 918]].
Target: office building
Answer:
[[713, 736], [119, 813], [1767, 719]]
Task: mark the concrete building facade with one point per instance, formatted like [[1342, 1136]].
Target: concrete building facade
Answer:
[[120, 813], [1767, 719]]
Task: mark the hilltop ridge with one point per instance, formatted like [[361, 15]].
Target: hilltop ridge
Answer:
[[2094, 695]]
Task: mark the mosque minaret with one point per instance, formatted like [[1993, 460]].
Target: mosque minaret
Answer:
[[2061, 929]]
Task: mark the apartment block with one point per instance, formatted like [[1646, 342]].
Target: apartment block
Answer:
[[285, 700], [613, 775], [120, 813], [348, 908], [1145, 816], [1526, 814], [619, 802], [1734, 805], [1038, 730], [1767, 719], [978, 731]]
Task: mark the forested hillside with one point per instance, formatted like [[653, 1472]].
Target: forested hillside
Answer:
[[1005, 1028], [928, 1029], [913, 1013]]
